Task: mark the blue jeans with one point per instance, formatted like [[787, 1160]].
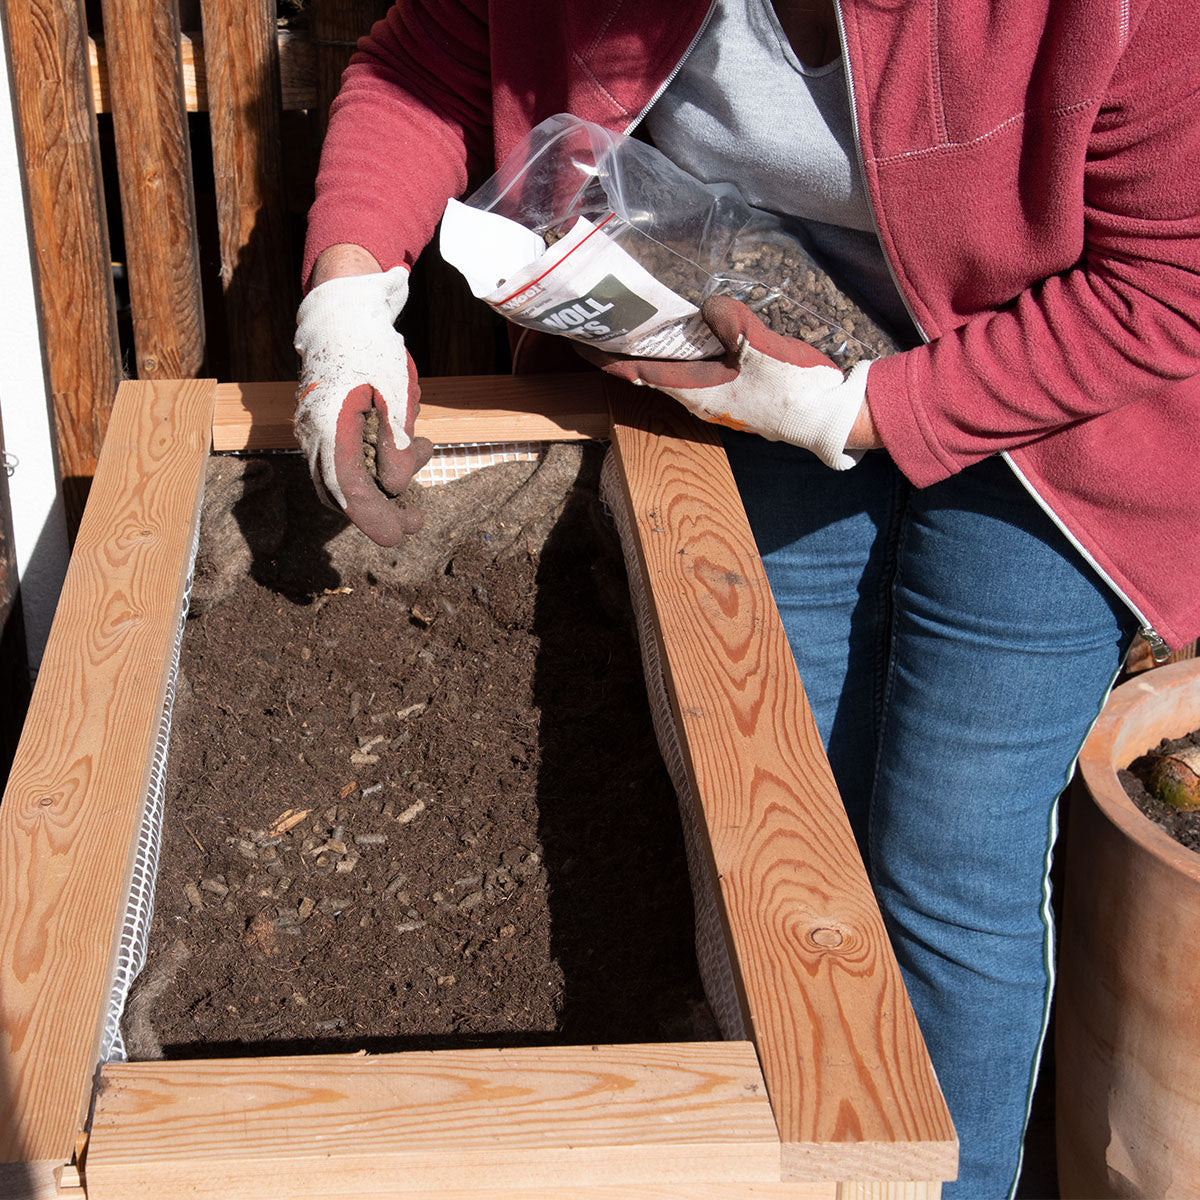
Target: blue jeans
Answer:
[[955, 649]]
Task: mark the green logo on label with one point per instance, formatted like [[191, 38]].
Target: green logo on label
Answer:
[[608, 310]]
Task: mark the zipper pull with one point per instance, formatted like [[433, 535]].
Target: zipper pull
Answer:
[[1159, 649]]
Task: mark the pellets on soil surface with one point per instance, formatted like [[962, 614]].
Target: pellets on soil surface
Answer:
[[467, 873]]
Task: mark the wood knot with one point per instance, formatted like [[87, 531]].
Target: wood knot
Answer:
[[826, 936]]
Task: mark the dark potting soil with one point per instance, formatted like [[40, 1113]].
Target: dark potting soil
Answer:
[[414, 812], [1184, 827]]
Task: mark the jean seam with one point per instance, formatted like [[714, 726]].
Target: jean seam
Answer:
[[1050, 932]]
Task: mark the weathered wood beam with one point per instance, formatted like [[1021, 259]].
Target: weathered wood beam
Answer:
[[297, 72], [47, 45], [257, 271], [336, 27], [158, 208]]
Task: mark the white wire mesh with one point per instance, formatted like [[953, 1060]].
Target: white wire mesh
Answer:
[[453, 462], [712, 952], [139, 906]]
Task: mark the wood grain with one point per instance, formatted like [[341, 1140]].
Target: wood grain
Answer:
[[257, 271], [846, 1081], [297, 72], [155, 172], [439, 1121], [727, 1189], [46, 42], [479, 408], [75, 796], [889, 1191], [850, 1081], [30, 1181]]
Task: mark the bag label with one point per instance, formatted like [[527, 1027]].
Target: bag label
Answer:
[[585, 286], [609, 310]]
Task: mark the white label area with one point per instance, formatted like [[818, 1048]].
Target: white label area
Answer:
[[584, 286]]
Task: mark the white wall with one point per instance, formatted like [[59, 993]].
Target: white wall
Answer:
[[39, 527]]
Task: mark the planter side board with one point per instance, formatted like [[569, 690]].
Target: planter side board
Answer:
[[837, 1086], [75, 796], [850, 1081]]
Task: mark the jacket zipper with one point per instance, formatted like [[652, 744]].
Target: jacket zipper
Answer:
[[1158, 647], [862, 169], [666, 83]]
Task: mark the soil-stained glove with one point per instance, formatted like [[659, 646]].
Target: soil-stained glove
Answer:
[[352, 360], [775, 386]]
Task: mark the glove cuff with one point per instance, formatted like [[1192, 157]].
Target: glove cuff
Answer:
[[375, 297], [823, 423]]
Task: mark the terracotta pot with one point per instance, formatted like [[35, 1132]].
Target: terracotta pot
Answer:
[[1128, 1016]]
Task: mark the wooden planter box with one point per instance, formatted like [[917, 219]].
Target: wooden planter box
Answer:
[[834, 1096]]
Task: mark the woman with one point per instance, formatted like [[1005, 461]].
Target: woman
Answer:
[[963, 538]]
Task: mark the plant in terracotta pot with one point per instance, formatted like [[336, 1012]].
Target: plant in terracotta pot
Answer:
[[1128, 1035]]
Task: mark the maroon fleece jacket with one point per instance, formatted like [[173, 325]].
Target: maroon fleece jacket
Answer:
[[1034, 170]]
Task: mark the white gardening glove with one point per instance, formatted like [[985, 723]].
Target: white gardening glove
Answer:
[[353, 359], [775, 386]]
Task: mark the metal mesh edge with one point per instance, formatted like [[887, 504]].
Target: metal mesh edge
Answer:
[[453, 462], [139, 906], [712, 951]]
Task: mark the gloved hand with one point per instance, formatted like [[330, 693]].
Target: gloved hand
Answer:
[[352, 360], [775, 386]]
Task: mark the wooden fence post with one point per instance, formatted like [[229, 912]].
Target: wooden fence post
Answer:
[[157, 203], [47, 44], [242, 67]]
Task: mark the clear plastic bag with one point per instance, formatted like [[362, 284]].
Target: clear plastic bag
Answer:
[[588, 198]]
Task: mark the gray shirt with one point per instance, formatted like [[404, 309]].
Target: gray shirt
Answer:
[[745, 110]]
